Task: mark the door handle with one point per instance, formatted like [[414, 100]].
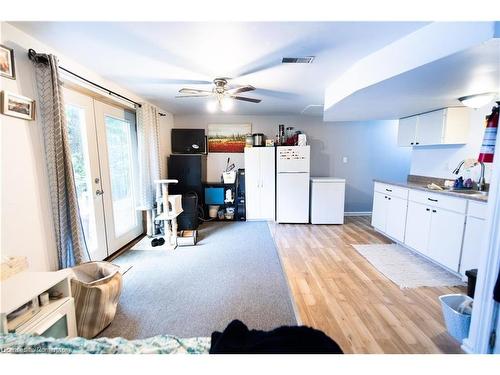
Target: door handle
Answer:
[[432, 200], [389, 190], [99, 192]]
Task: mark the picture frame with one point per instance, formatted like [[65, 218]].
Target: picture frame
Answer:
[[19, 106], [7, 63], [228, 138]]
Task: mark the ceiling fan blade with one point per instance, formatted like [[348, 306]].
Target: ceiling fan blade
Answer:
[[252, 100], [237, 90], [193, 91], [194, 96]]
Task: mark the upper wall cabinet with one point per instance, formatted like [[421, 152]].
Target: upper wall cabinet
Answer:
[[445, 126]]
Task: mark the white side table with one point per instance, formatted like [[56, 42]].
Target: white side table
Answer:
[[55, 319]]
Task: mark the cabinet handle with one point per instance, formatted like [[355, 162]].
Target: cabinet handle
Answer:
[[433, 210], [417, 143], [385, 196], [427, 209], [389, 190], [389, 198], [432, 200], [411, 143]]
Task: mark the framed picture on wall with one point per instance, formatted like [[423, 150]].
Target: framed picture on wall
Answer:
[[17, 106], [7, 65], [228, 137]]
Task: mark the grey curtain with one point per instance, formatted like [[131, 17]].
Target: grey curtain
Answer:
[[70, 240]]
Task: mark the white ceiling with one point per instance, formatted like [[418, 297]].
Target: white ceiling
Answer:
[[431, 86], [155, 60]]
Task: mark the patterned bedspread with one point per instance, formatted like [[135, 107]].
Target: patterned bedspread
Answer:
[[163, 344]]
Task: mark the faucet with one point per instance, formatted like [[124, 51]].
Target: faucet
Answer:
[[481, 184]]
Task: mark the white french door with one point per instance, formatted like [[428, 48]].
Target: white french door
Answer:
[[103, 142]]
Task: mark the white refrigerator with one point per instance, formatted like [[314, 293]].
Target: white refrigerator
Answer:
[[292, 184]]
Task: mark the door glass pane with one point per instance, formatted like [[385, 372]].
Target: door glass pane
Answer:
[[81, 169], [119, 143]]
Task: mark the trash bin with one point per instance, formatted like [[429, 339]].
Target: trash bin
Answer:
[[457, 323], [96, 288], [471, 281]]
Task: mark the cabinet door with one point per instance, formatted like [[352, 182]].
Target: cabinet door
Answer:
[[407, 130], [473, 238], [379, 211], [252, 183], [430, 128], [418, 222], [445, 239], [396, 218], [267, 183]]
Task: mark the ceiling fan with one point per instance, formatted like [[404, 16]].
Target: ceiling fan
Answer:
[[222, 94]]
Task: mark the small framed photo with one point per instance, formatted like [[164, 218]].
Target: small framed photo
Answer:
[[18, 106], [7, 68]]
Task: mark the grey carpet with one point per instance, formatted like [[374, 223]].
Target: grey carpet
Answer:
[[234, 272]]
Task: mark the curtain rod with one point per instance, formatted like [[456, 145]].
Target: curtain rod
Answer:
[[36, 57]]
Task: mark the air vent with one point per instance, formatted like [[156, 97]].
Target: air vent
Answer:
[[298, 60]]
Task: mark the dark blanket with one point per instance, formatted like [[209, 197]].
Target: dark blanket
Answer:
[[237, 338]]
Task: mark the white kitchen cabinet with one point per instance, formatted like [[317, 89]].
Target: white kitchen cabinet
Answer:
[[388, 209], [445, 237], [473, 236], [407, 131], [260, 183], [441, 127], [379, 211], [418, 223], [396, 215]]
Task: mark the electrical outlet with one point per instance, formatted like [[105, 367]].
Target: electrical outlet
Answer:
[[345, 159]]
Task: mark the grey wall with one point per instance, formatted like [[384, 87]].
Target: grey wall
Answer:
[[370, 147]]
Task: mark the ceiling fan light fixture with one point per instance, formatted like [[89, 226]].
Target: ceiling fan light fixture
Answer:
[[226, 104], [478, 100], [212, 106]]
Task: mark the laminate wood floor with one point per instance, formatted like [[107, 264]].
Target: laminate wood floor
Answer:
[[338, 291]]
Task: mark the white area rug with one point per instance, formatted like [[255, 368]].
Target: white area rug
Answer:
[[405, 268]]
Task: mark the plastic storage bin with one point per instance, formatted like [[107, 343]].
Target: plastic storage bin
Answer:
[[458, 324]]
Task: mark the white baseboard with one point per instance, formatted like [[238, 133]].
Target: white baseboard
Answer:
[[358, 213]]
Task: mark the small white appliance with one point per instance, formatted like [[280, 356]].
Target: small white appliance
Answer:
[[327, 200], [292, 184]]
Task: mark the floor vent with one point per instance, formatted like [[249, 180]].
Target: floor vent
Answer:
[[298, 60]]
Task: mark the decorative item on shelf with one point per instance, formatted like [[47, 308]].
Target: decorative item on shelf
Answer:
[[490, 135], [269, 142], [212, 211], [44, 299], [7, 64], [18, 106], [229, 196]]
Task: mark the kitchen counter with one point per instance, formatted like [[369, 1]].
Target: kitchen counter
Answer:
[[423, 186]]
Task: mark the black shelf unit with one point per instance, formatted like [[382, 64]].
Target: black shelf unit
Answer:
[[224, 205]]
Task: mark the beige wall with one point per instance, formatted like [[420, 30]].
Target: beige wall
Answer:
[[26, 220]]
